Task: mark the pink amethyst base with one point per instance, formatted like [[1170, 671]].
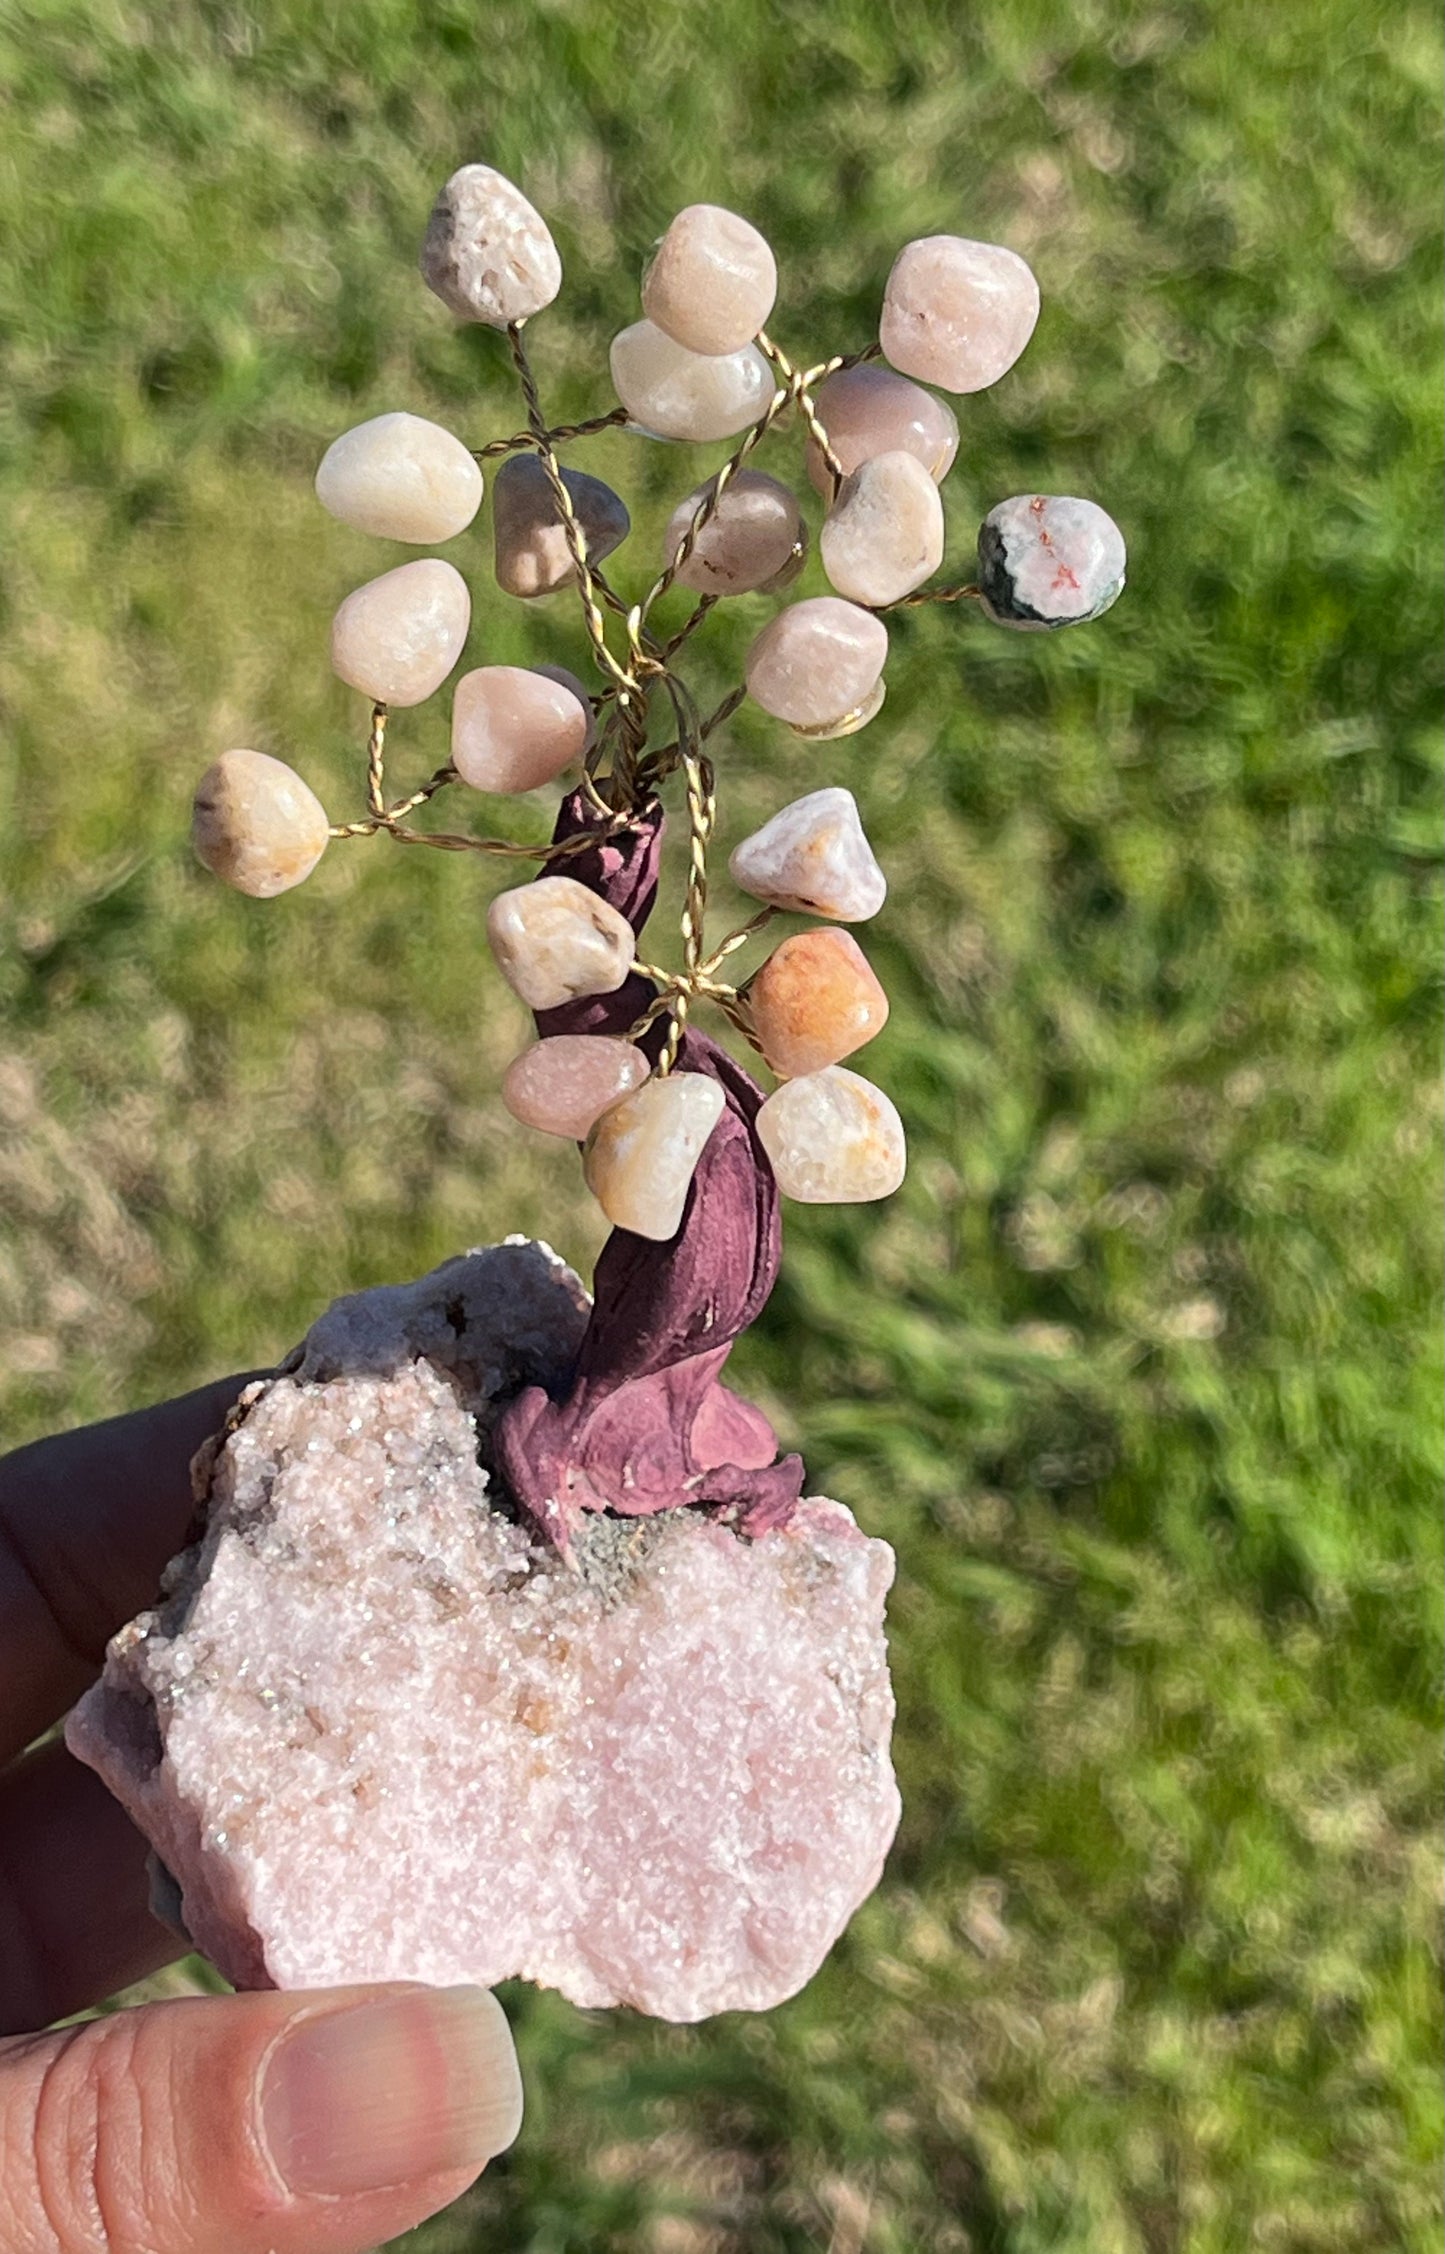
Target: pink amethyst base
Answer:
[[379, 1727]]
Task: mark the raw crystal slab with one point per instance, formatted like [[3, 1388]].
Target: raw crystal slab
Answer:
[[816, 661], [530, 540], [754, 541], [487, 253], [400, 477], [832, 1138], [1048, 560], [884, 533], [563, 1085], [398, 637], [673, 393], [711, 281], [815, 1000], [555, 941], [869, 410], [377, 1733], [642, 1153], [814, 857], [957, 313], [515, 728], [256, 824]]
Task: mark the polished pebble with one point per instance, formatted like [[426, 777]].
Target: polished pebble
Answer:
[[957, 313], [643, 1152], [1048, 560], [673, 393], [832, 1138], [487, 253], [869, 410], [256, 825], [755, 541], [398, 637], [555, 941], [884, 533], [400, 477], [711, 282], [528, 535], [565, 1083], [515, 727], [813, 857], [816, 661], [815, 1000]]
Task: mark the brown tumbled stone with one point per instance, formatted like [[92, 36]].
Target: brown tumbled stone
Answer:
[[528, 535]]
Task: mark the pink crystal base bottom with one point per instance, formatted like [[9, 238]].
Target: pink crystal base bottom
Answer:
[[376, 1732]]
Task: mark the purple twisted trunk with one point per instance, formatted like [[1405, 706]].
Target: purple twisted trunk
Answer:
[[646, 1424]]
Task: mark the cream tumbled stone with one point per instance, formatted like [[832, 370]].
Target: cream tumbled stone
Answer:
[[256, 824], [957, 313], [398, 637], [816, 661], [516, 727], [869, 410], [487, 253], [755, 541], [884, 533], [555, 941], [400, 477], [673, 393], [529, 537], [642, 1153], [711, 281], [832, 1138], [813, 857], [563, 1085]]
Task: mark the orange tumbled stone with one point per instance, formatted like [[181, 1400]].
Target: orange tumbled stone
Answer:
[[816, 999]]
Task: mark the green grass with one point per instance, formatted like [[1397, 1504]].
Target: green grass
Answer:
[[1139, 1372]]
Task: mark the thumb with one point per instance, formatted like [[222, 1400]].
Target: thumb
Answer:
[[319, 2122]]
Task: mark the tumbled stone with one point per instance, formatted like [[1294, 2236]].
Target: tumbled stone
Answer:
[[487, 253], [565, 1083], [755, 541], [957, 313], [711, 281], [832, 1138], [852, 721], [555, 941], [529, 538], [816, 661], [398, 637], [884, 533], [1048, 560], [815, 1000], [869, 410], [400, 477], [515, 727], [813, 857], [673, 393], [256, 825], [642, 1152]]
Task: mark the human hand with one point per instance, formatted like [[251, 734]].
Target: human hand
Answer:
[[317, 2122]]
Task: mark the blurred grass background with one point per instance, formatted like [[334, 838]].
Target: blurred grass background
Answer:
[[1140, 1372]]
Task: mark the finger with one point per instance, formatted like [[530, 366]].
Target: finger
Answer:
[[87, 1521], [318, 2123], [75, 1924]]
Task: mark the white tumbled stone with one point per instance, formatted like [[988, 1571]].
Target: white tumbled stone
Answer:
[[555, 941], [711, 281], [400, 477], [256, 824], [884, 533], [817, 662], [814, 858], [487, 253], [957, 313], [832, 1138], [398, 637], [673, 393], [641, 1155]]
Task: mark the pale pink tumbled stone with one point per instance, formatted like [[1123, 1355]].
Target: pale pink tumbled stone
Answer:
[[642, 1153], [754, 541], [487, 253], [957, 313], [530, 542], [711, 281], [673, 393], [398, 637], [869, 410], [515, 727], [377, 1733], [563, 1085], [555, 941], [813, 857], [884, 533], [400, 477], [816, 661], [832, 1138], [256, 824]]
